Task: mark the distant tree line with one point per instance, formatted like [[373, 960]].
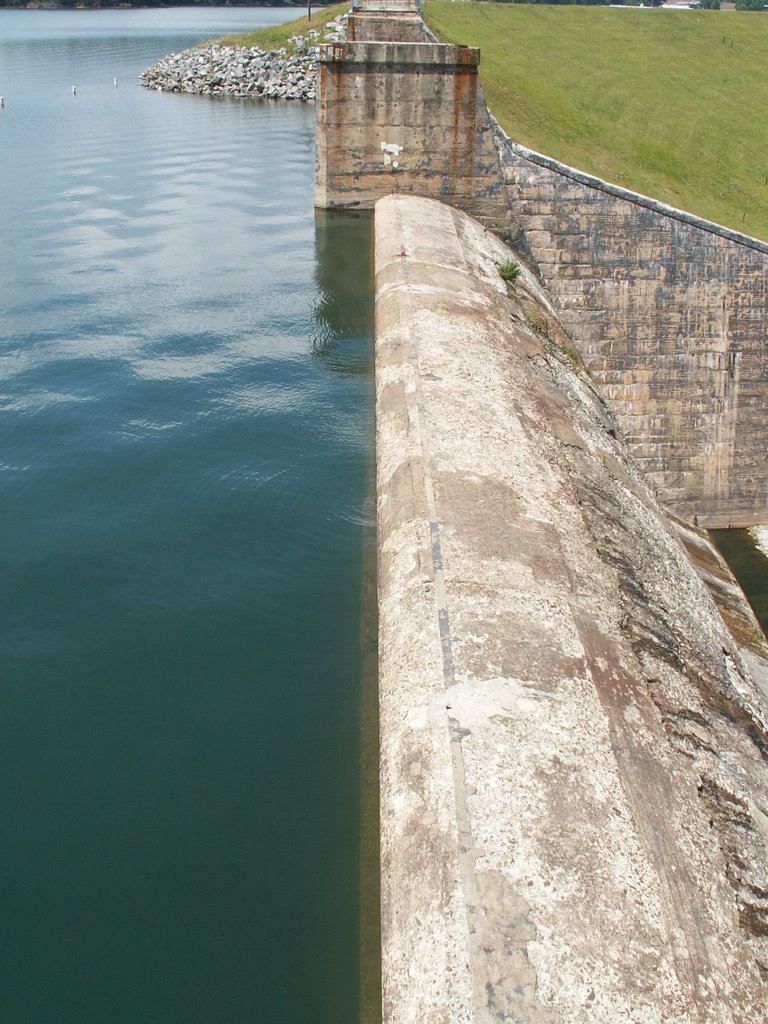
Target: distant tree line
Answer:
[[710, 5], [583, 3], [587, 3], [741, 5], [90, 4]]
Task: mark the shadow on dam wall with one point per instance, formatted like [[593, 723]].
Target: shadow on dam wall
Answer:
[[344, 315]]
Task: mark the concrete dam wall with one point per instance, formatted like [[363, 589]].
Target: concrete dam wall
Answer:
[[573, 690], [574, 784]]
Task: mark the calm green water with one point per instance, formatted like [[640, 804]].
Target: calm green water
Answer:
[[185, 405], [750, 567]]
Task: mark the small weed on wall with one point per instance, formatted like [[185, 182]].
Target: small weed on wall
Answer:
[[509, 271]]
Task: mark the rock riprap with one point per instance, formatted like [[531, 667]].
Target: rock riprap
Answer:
[[289, 73]]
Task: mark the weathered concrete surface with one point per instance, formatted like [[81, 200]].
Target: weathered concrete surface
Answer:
[[573, 754], [670, 314], [366, 26], [405, 117]]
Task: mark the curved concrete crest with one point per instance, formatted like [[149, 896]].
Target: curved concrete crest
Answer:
[[573, 754]]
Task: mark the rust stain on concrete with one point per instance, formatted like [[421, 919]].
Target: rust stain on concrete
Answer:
[[423, 96]]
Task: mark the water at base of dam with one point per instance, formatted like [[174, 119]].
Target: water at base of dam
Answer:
[[185, 380], [749, 564]]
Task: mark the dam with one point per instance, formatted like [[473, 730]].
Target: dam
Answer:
[[573, 797], [573, 691], [572, 743]]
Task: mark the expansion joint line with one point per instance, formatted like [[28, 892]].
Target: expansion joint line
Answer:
[[419, 422], [466, 853]]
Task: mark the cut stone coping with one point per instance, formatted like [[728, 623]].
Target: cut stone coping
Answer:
[[434, 56], [636, 198]]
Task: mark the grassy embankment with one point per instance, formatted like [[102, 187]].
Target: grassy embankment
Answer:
[[650, 99], [276, 37]]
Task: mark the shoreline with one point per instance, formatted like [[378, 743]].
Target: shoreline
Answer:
[[240, 72]]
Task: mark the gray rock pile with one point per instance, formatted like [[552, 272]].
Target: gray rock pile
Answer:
[[214, 70]]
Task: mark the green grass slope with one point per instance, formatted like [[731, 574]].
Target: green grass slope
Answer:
[[653, 100]]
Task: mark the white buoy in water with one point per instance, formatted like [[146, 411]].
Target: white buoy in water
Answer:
[[74, 90], [114, 82]]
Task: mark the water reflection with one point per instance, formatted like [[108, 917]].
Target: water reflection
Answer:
[[341, 336], [344, 278]]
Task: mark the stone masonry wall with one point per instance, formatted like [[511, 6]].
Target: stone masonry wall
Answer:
[[670, 314]]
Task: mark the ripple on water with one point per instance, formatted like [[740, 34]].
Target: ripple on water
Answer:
[[182, 489]]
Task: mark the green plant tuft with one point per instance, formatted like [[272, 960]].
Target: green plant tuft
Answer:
[[509, 270], [572, 356]]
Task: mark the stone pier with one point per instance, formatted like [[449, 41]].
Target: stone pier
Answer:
[[407, 117]]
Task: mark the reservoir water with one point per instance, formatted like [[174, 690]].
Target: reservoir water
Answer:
[[185, 395]]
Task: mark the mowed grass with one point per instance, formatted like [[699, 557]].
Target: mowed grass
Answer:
[[653, 100], [276, 37]]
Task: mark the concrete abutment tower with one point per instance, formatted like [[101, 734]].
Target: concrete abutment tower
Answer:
[[398, 112]]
